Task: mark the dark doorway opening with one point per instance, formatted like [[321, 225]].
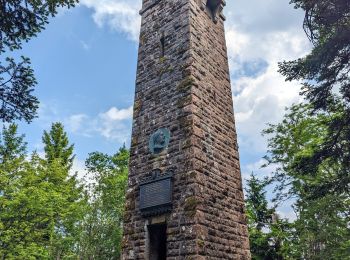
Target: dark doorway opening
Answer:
[[157, 242]]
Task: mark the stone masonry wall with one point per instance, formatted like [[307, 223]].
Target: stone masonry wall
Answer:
[[187, 90], [220, 213]]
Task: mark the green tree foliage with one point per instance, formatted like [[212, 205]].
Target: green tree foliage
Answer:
[[70, 203], [12, 146], [20, 20], [102, 234], [311, 146], [41, 204], [17, 82], [56, 146], [322, 228], [46, 214], [270, 236], [24, 220], [326, 85], [257, 203], [327, 25], [323, 212]]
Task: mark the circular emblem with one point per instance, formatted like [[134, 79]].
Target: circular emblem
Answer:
[[159, 141]]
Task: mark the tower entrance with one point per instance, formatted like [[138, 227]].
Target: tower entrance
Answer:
[[157, 242]]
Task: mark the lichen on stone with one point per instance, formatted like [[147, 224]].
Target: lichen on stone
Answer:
[[184, 101], [137, 107], [200, 243], [190, 206], [186, 84], [165, 69], [162, 59], [134, 141]]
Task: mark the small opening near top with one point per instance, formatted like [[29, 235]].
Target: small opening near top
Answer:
[[157, 242], [213, 7]]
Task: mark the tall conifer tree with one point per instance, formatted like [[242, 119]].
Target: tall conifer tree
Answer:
[[70, 202], [270, 236], [57, 147]]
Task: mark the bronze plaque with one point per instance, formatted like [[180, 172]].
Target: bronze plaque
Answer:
[[156, 195]]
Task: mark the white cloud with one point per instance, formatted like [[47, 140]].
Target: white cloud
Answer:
[[257, 169], [75, 122], [117, 114], [79, 169], [121, 15], [114, 124], [257, 39], [261, 100]]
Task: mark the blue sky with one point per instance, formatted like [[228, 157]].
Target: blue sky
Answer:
[[83, 71], [85, 62]]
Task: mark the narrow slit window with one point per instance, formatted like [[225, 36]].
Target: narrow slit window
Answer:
[[162, 43], [213, 7], [157, 246]]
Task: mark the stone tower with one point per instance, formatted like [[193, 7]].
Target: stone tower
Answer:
[[184, 197]]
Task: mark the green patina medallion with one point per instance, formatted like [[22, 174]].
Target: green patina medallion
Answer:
[[159, 141]]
